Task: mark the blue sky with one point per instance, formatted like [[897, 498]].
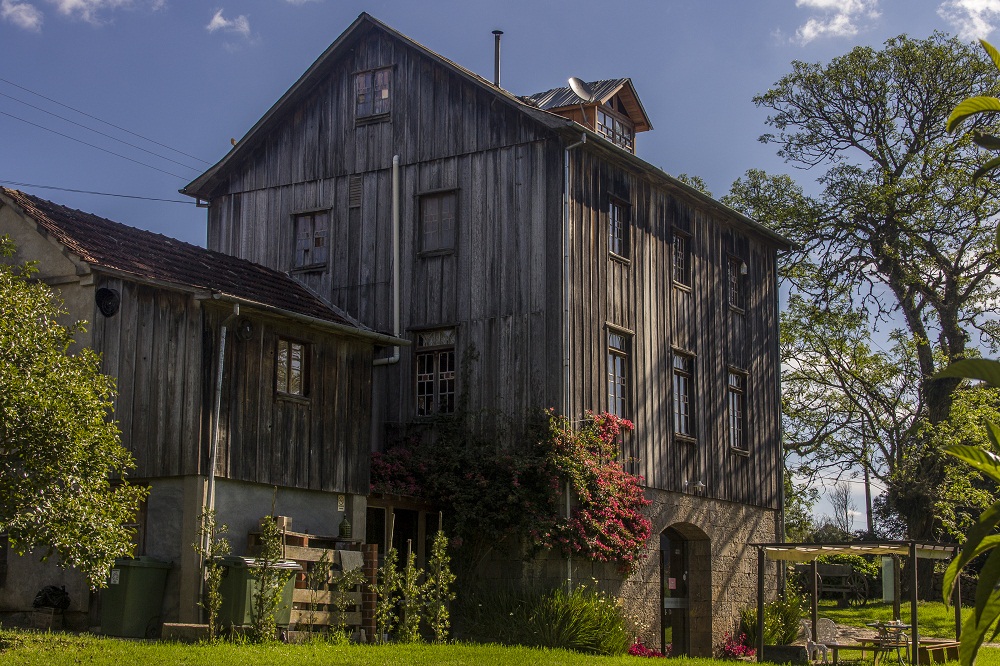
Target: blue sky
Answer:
[[193, 75]]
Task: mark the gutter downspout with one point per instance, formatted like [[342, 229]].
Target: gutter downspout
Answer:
[[213, 449], [567, 330], [213, 452], [395, 265]]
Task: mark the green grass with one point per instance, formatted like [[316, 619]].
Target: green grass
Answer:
[[933, 618], [28, 648]]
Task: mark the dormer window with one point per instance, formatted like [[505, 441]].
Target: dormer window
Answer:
[[616, 130]]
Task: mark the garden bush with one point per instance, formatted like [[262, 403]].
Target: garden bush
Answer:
[[584, 620], [781, 620]]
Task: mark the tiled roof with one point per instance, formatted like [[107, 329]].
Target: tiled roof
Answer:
[[103, 243]]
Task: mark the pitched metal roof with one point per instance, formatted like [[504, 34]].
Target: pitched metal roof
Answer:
[[558, 98], [152, 257]]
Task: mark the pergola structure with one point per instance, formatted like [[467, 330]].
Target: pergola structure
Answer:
[[808, 552]]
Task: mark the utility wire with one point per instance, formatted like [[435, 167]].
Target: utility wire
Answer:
[[103, 194], [109, 136], [84, 113], [111, 152]]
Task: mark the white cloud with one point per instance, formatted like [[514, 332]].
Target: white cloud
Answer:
[[971, 19], [88, 10], [22, 14], [239, 25], [838, 18]]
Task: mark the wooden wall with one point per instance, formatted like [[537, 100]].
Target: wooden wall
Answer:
[[637, 295], [501, 287], [320, 441], [162, 346], [154, 346]]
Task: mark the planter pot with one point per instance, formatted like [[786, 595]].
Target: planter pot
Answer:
[[786, 654]]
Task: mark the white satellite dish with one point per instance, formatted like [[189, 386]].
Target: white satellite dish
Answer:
[[581, 89]]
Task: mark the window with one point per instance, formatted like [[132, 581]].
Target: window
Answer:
[[618, 374], [311, 239], [290, 368], [435, 355], [736, 402], [683, 387], [618, 228], [682, 259], [372, 93], [737, 281], [616, 130], [437, 222]]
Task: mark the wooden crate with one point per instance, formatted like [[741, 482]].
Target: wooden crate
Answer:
[[314, 609]]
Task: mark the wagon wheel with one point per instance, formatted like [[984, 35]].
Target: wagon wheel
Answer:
[[857, 590]]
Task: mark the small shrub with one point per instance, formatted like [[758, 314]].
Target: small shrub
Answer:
[[437, 589], [211, 545], [781, 620], [271, 580], [411, 602], [736, 648], [343, 586], [584, 620], [386, 590]]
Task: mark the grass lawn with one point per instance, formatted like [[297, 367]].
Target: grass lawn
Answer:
[[933, 618], [27, 648]]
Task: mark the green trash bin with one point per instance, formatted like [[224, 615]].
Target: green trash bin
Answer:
[[240, 583], [132, 603]]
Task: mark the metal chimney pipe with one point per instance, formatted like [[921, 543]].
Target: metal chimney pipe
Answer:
[[496, 57]]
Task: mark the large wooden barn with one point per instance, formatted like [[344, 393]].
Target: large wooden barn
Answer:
[[584, 277], [217, 360]]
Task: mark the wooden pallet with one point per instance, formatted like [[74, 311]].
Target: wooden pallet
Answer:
[[313, 609]]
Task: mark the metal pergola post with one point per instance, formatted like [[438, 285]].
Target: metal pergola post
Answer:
[[914, 634], [760, 604]]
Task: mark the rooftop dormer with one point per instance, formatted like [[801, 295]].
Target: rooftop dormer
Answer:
[[613, 111]]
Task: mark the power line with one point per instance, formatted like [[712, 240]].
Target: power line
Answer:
[[110, 152], [109, 136], [103, 194], [84, 113]]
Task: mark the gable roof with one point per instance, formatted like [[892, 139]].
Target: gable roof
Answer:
[[604, 90], [569, 130], [150, 257], [207, 181]]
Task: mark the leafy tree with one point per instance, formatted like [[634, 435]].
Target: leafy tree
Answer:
[[896, 234], [59, 450], [798, 504]]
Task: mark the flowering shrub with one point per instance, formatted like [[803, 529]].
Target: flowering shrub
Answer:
[[640, 650], [493, 489], [607, 524], [736, 648]]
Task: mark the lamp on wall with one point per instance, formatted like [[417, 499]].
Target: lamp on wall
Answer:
[[697, 486]]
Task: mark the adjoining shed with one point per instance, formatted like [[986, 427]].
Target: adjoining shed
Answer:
[[809, 552]]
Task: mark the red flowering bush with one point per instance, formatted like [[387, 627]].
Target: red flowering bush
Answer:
[[640, 650], [493, 489], [606, 524], [736, 648]]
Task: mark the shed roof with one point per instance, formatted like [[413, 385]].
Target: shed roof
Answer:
[[806, 552], [152, 257]]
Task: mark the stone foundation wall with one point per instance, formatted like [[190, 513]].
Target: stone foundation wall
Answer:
[[722, 567]]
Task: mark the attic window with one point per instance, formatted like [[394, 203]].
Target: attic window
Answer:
[[616, 129], [311, 236], [372, 98]]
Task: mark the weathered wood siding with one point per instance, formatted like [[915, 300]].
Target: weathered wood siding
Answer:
[[319, 441], [162, 348], [637, 295], [153, 346], [499, 288]]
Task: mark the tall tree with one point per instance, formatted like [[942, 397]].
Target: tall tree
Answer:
[[58, 446], [897, 233]]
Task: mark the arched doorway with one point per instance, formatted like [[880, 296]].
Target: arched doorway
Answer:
[[686, 591]]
